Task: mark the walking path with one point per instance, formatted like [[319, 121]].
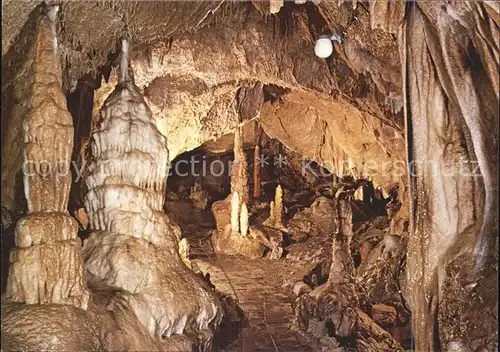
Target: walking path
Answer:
[[257, 287]]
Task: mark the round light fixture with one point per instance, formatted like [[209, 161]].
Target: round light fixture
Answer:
[[324, 45]]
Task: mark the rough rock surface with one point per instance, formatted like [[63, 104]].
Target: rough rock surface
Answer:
[[207, 87], [339, 136], [231, 243], [311, 229], [328, 315], [451, 73]]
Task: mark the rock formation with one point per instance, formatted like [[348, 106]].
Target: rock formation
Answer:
[[276, 210], [454, 61], [47, 267], [335, 302], [126, 183], [256, 172]]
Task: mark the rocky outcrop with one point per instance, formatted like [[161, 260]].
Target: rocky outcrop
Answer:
[[46, 267], [328, 313], [337, 135]]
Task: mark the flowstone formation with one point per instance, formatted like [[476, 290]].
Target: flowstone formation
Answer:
[[328, 313], [451, 72], [134, 249], [46, 267]]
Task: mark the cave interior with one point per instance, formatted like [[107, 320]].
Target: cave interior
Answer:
[[270, 175]]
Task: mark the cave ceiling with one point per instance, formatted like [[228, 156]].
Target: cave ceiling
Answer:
[[201, 64], [278, 45]]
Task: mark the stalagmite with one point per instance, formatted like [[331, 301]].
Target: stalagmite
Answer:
[[244, 220], [239, 187], [232, 238], [278, 207], [275, 219], [336, 300], [134, 248], [272, 209], [239, 180], [47, 265], [256, 172], [184, 249], [235, 211]]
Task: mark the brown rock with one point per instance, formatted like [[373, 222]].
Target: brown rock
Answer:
[[82, 218], [364, 249], [231, 243], [384, 315], [301, 288], [402, 334], [370, 337], [222, 213]]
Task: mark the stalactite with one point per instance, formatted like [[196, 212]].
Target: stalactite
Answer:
[[256, 172], [47, 265]]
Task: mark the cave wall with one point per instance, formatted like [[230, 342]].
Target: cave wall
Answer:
[[203, 72]]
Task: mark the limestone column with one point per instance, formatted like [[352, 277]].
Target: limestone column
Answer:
[[46, 267], [239, 186], [276, 210], [239, 181]]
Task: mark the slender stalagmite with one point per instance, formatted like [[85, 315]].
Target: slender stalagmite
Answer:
[[244, 220], [235, 211], [276, 210], [239, 184], [256, 172], [46, 267], [278, 207]]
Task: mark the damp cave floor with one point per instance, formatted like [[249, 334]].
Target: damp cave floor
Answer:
[[262, 288]]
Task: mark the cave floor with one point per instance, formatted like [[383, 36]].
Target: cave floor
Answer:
[[262, 288]]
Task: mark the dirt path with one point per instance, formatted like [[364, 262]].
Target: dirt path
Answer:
[[257, 287]]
